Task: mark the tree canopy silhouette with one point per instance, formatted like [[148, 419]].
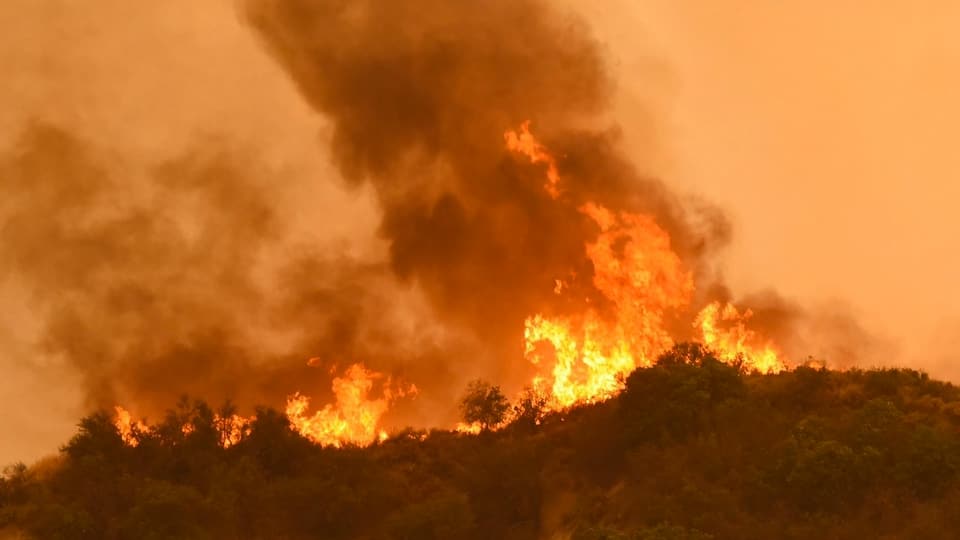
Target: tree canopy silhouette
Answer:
[[485, 404]]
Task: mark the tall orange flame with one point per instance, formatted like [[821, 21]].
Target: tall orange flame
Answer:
[[637, 271], [127, 426], [642, 278], [724, 330], [354, 418]]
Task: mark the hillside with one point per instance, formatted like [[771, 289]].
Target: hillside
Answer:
[[692, 449]]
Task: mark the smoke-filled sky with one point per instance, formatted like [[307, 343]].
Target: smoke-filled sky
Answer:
[[222, 191]]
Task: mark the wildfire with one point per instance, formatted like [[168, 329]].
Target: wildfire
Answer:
[[635, 269], [724, 330], [525, 143], [128, 427], [644, 281], [580, 358], [470, 429], [354, 417], [231, 428]]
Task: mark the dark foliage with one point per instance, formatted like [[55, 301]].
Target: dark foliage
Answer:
[[693, 449]]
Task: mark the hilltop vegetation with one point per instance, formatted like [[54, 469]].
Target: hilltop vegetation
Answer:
[[693, 449]]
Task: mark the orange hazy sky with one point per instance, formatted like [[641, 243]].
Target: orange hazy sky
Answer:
[[824, 128]]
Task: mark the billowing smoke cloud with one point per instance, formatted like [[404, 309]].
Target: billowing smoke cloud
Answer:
[[154, 287], [140, 304], [419, 94]]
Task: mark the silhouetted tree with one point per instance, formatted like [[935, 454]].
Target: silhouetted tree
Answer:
[[484, 403]]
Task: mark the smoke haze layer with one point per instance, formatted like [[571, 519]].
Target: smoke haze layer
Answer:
[[183, 281]]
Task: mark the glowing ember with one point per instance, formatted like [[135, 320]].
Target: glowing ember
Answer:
[[354, 418], [471, 429], [724, 331], [232, 429]]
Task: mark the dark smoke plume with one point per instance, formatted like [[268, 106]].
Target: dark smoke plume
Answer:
[[419, 94]]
